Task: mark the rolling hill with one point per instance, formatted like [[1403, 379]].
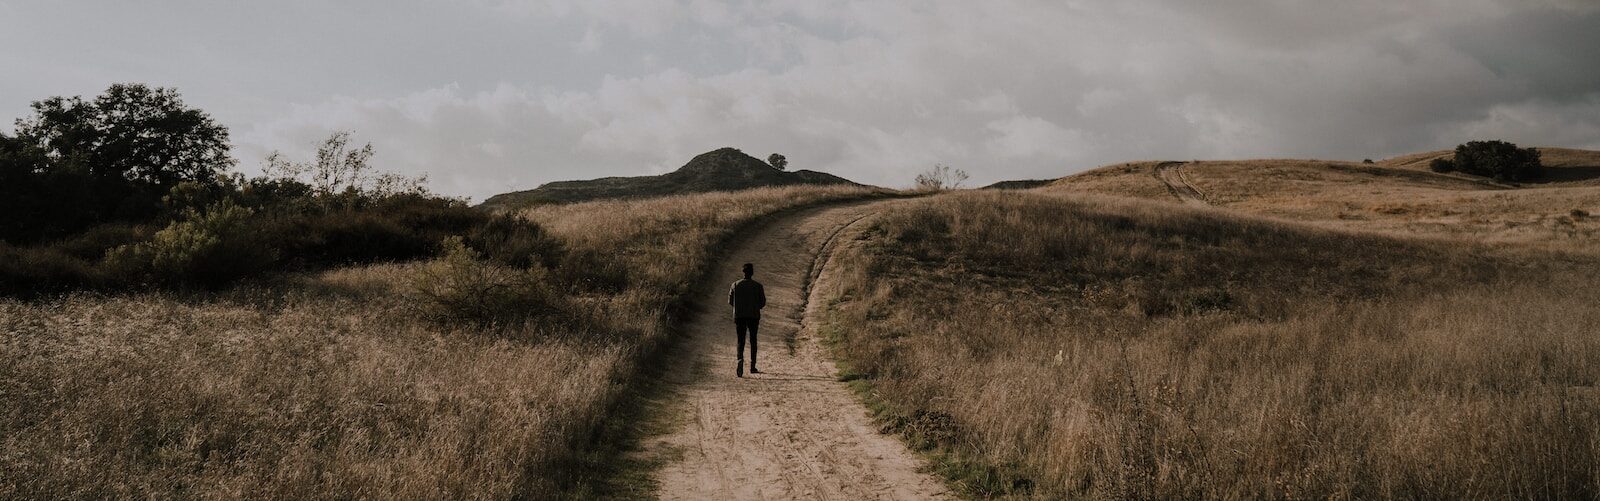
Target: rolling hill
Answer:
[[725, 169], [1395, 195], [1046, 346]]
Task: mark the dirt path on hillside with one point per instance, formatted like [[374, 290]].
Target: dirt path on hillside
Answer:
[[794, 431], [1171, 173]]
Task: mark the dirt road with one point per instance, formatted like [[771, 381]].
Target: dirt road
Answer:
[[1171, 173], [793, 431]]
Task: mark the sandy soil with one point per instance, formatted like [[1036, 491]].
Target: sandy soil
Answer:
[[1171, 173], [794, 431]]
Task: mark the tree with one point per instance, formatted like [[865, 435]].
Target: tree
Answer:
[[1442, 165], [941, 177], [131, 133], [77, 163], [342, 174], [778, 161], [24, 199], [1498, 159]]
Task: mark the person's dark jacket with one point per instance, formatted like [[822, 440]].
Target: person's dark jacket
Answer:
[[747, 298]]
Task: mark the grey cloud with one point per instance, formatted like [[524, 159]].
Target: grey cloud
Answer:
[[494, 95]]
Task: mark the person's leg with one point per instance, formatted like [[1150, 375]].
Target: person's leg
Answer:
[[755, 325], [739, 326]]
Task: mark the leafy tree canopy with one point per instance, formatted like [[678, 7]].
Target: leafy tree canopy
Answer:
[[1497, 159], [132, 132]]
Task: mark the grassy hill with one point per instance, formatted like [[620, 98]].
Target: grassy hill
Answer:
[[725, 169], [1120, 348], [1322, 329], [1398, 195], [1565, 165]]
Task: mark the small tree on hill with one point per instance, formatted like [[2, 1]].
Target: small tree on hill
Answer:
[[1497, 159], [1442, 165], [941, 177], [778, 161]]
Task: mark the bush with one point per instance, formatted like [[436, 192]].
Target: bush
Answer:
[[514, 241], [262, 192], [43, 270], [208, 249], [1498, 159], [939, 178], [92, 245], [588, 271], [435, 216], [462, 287], [1442, 165], [349, 237], [394, 228]]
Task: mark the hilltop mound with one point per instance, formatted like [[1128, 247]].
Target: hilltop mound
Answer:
[[726, 169]]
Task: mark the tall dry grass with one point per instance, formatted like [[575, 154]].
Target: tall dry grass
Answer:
[[336, 385], [1135, 350]]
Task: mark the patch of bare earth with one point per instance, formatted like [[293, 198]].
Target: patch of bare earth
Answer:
[[793, 430]]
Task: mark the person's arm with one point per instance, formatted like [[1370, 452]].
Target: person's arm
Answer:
[[761, 297], [731, 291]]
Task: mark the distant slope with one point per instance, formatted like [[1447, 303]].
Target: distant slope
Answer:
[[726, 169], [1018, 184], [1396, 195], [1562, 165]]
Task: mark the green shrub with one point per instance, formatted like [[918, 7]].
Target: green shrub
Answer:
[[1498, 159], [348, 237], [587, 270], [208, 249], [264, 192], [393, 228], [1442, 165], [43, 270], [441, 216], [93, 244], [461, 287], [514, 241]]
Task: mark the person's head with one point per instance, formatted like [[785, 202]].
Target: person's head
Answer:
[[749, 270]]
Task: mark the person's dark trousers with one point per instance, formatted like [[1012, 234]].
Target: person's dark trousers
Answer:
[[751, 325]]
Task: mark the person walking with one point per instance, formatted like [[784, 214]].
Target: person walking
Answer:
[[747, 299]]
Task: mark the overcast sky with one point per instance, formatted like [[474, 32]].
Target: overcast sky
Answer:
[[488, 96]]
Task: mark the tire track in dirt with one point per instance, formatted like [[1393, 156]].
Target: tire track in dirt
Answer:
[[793, 431], [1171, 173]]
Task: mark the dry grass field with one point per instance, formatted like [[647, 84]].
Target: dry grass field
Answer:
[[1128, 349], [1397, 196], [337, 385]]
